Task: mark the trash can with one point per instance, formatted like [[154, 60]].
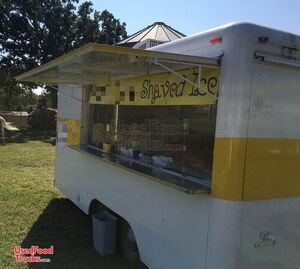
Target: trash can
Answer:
[[104, 233]]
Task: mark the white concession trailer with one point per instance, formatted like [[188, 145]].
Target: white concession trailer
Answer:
[[193, 144]]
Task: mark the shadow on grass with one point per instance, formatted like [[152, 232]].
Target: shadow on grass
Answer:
[[69, 230], [29, 134]]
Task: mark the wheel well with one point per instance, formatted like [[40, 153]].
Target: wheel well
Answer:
[[95, 205]]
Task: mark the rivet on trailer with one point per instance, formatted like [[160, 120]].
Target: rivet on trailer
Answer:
[[194, 145]]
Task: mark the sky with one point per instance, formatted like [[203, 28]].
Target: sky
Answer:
[[192, 16]]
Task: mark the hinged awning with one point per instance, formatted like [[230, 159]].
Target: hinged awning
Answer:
[[97, 63]]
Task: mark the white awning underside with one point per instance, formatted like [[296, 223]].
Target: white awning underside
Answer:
[[97, 63]]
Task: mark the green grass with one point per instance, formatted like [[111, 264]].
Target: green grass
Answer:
[[34, 212]]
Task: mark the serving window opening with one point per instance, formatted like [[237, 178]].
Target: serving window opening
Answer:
[[169, 137]]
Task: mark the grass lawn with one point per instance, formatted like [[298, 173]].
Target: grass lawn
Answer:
[[34, 212]]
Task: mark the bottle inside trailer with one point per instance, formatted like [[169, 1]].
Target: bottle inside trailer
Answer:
[[193, 145]]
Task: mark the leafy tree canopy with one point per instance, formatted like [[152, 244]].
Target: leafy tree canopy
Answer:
[[33, 32]]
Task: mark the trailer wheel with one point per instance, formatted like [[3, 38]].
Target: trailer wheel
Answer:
[[127, 242]]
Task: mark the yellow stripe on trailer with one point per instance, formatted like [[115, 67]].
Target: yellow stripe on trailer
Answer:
[[228, 168], [256, 168], [272, 168]]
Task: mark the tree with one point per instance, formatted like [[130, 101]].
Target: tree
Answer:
[[13, 96], [112, 30], [33, 32], [93, 26]]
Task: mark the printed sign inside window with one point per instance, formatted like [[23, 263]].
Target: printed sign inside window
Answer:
[[161, 89]]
